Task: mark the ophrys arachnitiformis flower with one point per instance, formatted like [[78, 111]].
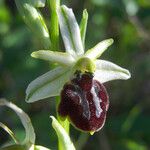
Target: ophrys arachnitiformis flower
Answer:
[[79, 73]]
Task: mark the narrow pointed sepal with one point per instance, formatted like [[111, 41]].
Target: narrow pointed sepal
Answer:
[[54, 56], [107, 71], [48, 84], [83, 26], [70, 31], [98, 50]]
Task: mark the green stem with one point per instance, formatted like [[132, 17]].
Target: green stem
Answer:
[[54, 36], [54, 26]]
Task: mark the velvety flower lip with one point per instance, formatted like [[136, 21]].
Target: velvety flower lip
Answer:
[[74, 58], [85, 102]]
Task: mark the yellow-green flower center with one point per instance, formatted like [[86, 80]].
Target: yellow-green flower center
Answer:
[[85, 64]]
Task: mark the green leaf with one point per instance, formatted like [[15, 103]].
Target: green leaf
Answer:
[[56, 57], [30, 135], [107, 71], [28, 143], [48, 85], [83, 25], [66, 143], [70, 31], [35, 21], [98, 50], [9, 132]]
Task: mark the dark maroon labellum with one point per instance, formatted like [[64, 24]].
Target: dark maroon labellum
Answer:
[[85, 101]]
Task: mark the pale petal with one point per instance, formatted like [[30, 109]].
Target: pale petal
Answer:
[[98, 50], [70, 31], [47, 85], [54, 56], [107, 71], [30, 135], [62, 135], [83, 25]]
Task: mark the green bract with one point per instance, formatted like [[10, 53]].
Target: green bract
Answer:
[[75, 58], [34, 19], [62, 135]]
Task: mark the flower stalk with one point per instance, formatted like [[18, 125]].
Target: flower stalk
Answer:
[[54, 37], [54, 26]]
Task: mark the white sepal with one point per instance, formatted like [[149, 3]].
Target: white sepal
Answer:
[[70, 31], [98, 50], [48, 84], [54, 56], [107, 71]]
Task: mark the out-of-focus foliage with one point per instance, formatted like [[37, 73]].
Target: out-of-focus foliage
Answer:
[[128, 22]]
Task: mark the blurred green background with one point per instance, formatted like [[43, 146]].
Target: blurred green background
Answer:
[[128, 121]]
